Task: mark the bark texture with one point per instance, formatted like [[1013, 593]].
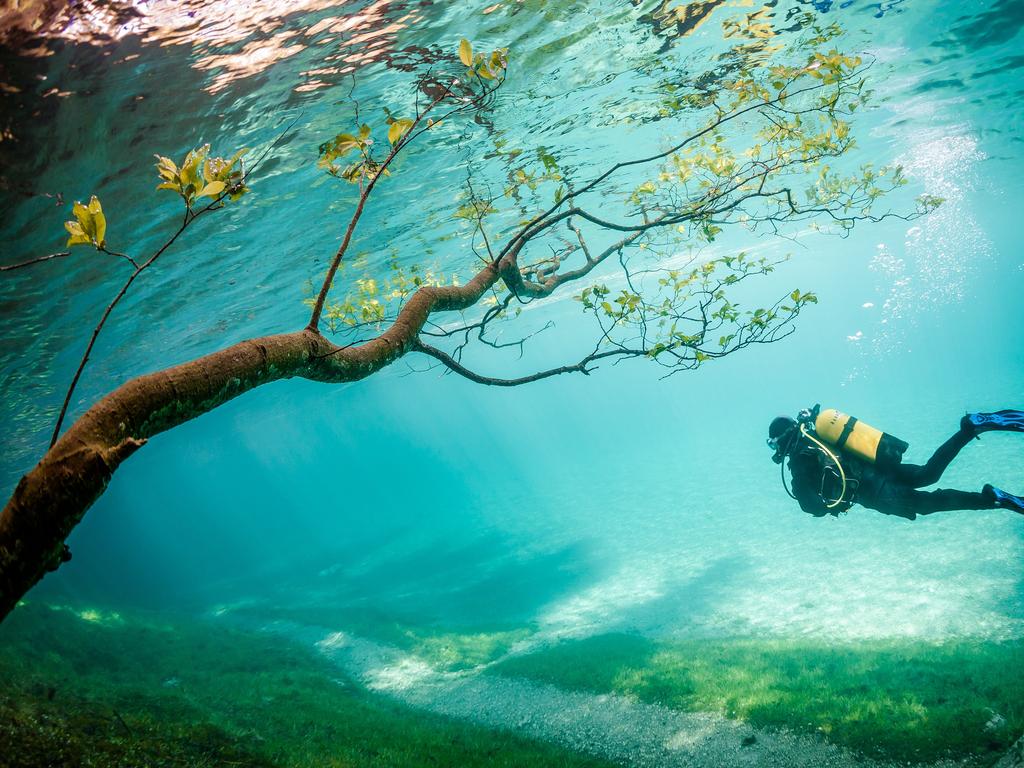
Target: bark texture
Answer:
[[52, 498]]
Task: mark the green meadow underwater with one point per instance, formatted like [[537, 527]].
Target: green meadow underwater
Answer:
[[419, 416]]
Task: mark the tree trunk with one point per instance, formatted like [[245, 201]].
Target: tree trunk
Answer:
[[53, 497]]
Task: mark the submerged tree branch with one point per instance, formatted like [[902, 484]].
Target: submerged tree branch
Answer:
[[457, 367], [413, 132], [139, 269], [52, 498], [37, 260], [672, 324]]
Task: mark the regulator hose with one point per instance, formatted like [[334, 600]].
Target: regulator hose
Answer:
[[842, 472]]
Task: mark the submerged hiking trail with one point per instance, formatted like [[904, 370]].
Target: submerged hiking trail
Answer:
[[610, 726]]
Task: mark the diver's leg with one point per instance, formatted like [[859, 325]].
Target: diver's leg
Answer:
[[917, 476], [946, 500]]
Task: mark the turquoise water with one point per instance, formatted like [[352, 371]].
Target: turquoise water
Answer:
[[568, 509]]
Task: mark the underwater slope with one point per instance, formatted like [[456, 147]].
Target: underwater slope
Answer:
[[610, 726], [102, 688]]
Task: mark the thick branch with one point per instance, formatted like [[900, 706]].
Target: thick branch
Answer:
[[52, 498], [454, 365], [525, 288]]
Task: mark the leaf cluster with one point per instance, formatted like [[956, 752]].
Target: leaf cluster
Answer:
[[673, 315], [372, 298], [203, 176], [361, 142], [89, 226], [483, 66]]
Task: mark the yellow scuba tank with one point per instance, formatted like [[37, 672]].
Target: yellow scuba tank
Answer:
[[855, 437]]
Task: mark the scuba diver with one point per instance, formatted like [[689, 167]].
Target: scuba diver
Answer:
[[837, 461]]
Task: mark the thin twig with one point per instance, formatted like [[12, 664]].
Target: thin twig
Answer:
[[318, 307], [457, 367], [36, 260], [190, 216]]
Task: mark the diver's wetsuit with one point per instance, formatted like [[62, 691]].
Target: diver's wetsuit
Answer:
[[891, 491]]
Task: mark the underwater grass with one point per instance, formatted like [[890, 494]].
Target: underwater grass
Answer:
[[91, 687], [902, 701], [446, 648]]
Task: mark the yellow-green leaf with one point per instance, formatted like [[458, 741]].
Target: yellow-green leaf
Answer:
[[80, 212], [237, 156], [212, 189], [78, 237], [166, 168], [85, 220], [466, 52], [190, 168], [398, 129], [99, 220]]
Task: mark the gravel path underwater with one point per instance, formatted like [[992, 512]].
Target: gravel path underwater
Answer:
[[609, 726]]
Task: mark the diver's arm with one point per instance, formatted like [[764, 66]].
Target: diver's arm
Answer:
[[806, 470], [813, 505]]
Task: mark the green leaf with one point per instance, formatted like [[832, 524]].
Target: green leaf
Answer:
[[466, 52]]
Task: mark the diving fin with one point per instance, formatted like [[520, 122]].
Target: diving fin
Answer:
[[1003, 499], [1000, 421]]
